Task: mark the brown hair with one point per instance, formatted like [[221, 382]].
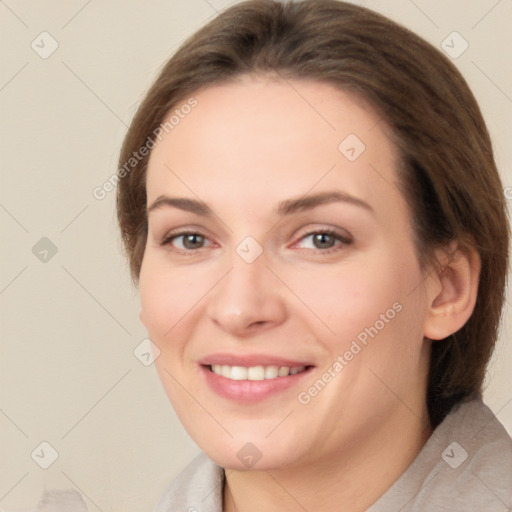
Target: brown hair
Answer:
[[447, 175]]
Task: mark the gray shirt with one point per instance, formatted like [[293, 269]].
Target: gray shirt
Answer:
[[466, 466]]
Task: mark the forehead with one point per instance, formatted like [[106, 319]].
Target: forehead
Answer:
[[268, 138]]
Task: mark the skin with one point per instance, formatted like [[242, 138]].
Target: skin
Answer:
[[246, 147]]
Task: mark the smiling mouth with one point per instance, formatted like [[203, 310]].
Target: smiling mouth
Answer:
[[255, 373]]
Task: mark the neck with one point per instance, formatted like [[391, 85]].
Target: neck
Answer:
[[350, 480]]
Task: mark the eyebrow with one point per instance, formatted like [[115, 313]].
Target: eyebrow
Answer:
[[312, 201], [286, 207], [182, 203]]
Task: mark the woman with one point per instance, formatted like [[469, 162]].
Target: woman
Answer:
[[311, 209]]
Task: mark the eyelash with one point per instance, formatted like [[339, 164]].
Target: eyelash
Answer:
[[345, 241], [168, 239]]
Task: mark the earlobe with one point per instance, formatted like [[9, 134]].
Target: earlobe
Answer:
[[452, 291], [142, 317]]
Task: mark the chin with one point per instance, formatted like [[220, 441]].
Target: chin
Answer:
[[260, 454]]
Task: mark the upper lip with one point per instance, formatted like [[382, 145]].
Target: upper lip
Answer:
[[250, 360]]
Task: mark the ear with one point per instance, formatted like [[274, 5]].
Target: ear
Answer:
[[452, 290]]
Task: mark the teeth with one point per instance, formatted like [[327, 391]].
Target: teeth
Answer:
[[271, 372], [255, 372], [284, 371], [237, 373]]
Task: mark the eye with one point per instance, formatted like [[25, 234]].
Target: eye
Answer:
[[324, 240], [186, 241]]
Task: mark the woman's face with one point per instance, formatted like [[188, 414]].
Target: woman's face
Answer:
[[280, 256]]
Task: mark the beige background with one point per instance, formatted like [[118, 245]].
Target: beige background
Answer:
[[69, 325]]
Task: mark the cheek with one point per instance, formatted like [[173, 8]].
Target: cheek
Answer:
[[166, 297], [373, 293], [350, 299]]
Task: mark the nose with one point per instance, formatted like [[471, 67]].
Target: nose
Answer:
[[248, 299]]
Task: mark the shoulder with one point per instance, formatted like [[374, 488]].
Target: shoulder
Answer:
[[198, 488], [466, 465]]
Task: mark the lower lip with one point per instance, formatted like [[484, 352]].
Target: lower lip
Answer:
[[250, 391]]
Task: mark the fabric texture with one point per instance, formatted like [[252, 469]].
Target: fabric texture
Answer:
[[465, 466], [58, 500]]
